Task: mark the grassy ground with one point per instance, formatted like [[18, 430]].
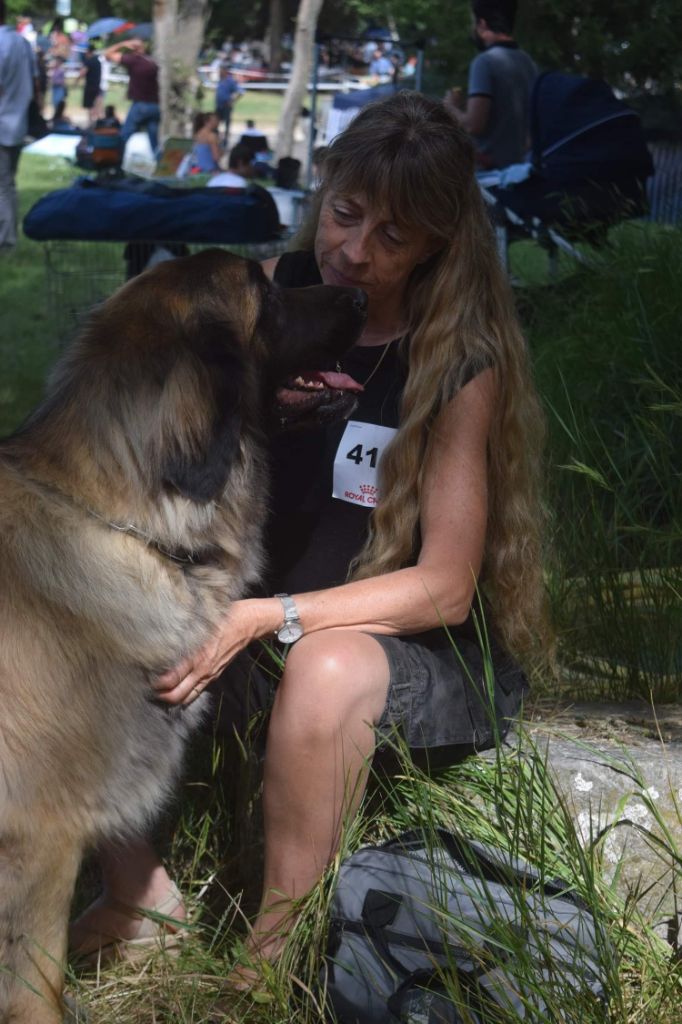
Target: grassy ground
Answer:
[[256, 105], [607, 366], [508, 800], [604, 349]]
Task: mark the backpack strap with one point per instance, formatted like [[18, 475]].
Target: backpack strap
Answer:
[[493, 870], [378, 911]]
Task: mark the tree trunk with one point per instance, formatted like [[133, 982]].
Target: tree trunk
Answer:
[[178, 35], [306, 23], [275, 28]]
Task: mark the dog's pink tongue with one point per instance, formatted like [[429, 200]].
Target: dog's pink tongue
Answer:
[[341, 381]]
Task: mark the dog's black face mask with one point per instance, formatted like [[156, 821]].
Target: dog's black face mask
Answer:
[[268, 357], [311, 328]]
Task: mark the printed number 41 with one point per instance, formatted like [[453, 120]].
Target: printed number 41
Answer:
[[357, 456]]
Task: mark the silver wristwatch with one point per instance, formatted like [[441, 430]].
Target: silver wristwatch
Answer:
[[291, 629]]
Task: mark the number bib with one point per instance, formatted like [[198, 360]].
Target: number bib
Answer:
[[357, 461]]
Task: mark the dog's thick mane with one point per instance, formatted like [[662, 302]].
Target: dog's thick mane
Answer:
[[146, 451], [163, 437]]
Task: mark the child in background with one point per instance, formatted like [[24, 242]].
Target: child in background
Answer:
[[58, 82]]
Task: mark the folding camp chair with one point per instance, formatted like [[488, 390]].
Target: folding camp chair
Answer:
[[588, 169]]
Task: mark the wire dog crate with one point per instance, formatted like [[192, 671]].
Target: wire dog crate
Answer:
[[82, 274]]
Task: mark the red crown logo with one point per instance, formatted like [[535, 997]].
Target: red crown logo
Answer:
[[369, 489]]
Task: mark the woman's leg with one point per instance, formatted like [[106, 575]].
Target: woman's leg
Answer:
[[132, 876], [319, 747]]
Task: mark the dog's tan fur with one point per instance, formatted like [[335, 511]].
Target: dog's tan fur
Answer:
[[145, 454]]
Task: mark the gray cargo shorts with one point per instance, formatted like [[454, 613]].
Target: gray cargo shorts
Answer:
[[438, 694]]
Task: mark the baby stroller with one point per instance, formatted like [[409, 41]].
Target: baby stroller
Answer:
[[588, 168]]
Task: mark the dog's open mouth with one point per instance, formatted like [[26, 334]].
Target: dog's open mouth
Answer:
[[315, 396]]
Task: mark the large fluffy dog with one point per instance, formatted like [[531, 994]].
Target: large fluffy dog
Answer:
[[130, 512]]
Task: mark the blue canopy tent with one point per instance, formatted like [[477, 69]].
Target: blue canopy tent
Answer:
[[103, 27]]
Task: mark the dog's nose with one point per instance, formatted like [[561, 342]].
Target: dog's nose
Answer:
[[355, 296], [359, 300]]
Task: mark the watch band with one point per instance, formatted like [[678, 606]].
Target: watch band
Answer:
[[292, 628]]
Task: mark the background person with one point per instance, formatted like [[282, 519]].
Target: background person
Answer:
[[143, 89], [381, 65], [58, 81], [228, 92], [206, 152], [497, 109], [240, 169], [59, 41], [109, 119], [91, 75], [446, 433], [62, 124], [18, 86]]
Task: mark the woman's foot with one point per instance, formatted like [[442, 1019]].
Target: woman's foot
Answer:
[[111, 929], [257, 959]]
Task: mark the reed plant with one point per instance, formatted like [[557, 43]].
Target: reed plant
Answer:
[[606, 352]]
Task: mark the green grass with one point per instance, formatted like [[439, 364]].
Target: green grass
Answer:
[[605, 344], [256, 105], [27, 337], [509, 800]]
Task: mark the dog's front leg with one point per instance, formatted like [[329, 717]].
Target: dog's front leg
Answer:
[[37, 878]]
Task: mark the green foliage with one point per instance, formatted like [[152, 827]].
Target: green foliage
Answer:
[[604, 343], [633, 44], [43, 11]]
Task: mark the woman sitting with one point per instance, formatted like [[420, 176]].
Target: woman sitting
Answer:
[[206, 151], [383, 528], [60, 123]]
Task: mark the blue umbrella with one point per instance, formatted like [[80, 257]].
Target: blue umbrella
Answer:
[[143, 31], [103, 27]]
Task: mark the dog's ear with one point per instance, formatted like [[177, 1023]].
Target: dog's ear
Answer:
[[202, 474]]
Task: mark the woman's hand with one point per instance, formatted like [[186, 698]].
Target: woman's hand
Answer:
[[246, 621]]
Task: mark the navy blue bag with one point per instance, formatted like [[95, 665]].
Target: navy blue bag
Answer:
[[129, 210]]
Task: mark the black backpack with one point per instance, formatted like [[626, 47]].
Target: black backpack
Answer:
[[417, 934]]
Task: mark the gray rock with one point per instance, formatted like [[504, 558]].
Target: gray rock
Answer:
[[619, 766]]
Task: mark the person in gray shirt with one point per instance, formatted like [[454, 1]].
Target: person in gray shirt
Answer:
[[501, 77], [17, 84]]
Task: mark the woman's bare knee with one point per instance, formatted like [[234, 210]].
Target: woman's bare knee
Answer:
[[333, 677]]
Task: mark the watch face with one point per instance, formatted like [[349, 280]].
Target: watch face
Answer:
[[290, 632]]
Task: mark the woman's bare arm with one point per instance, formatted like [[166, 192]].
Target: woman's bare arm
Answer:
[[439, 588]]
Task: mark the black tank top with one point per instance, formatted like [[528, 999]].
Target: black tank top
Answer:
[[312, 537]]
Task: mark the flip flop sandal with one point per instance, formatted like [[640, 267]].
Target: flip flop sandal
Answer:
[[157, 931]]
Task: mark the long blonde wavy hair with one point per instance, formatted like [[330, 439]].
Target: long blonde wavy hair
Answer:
[[408, 155]]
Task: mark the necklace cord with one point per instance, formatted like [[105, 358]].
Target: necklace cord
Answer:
[[376, 366]]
